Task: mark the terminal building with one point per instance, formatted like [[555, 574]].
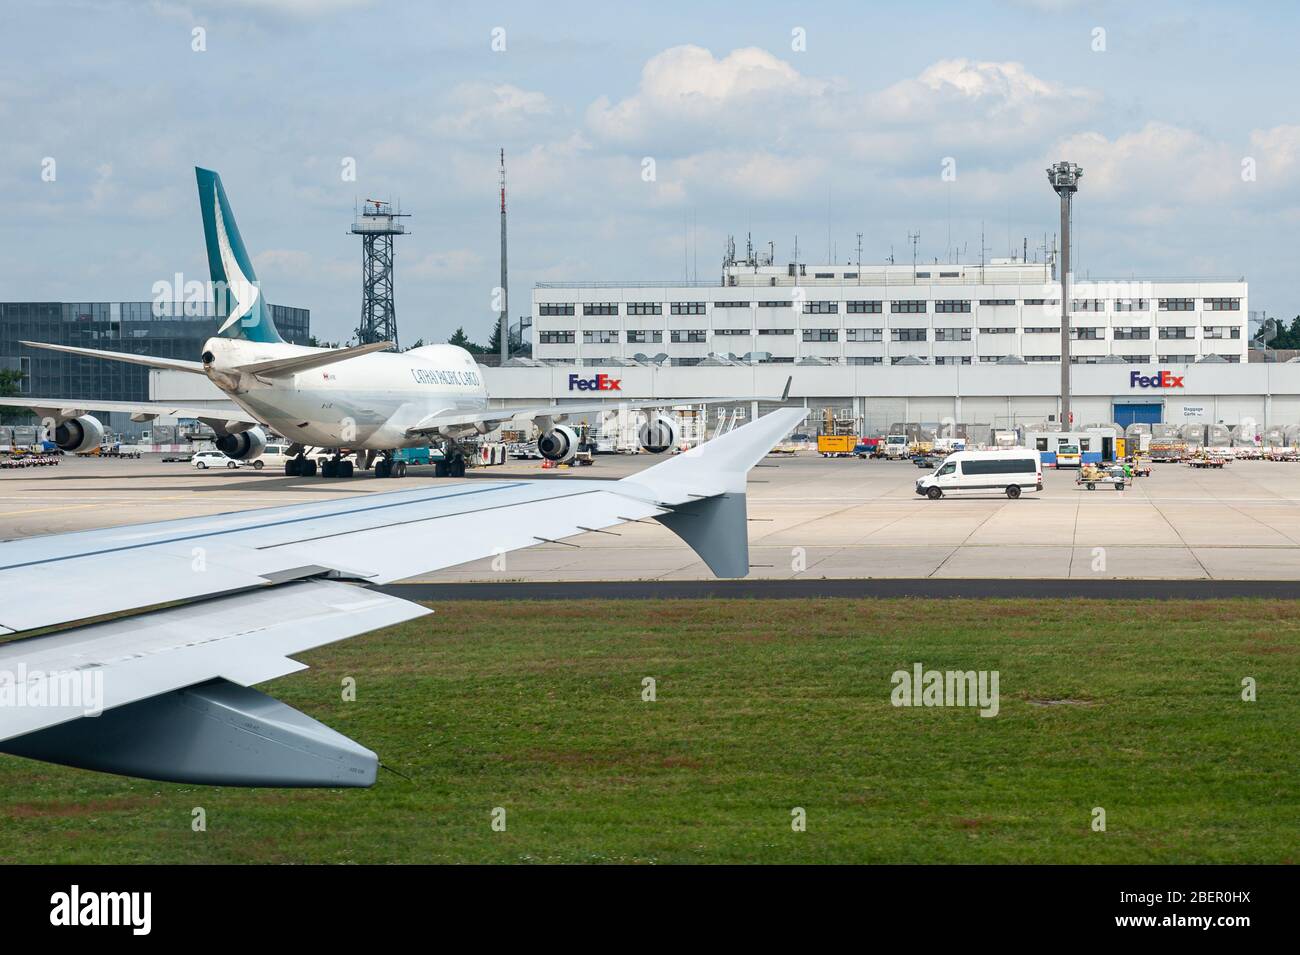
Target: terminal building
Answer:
[[159, 329]]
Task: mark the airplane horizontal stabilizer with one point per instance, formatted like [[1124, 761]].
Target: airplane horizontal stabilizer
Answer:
[[284, 367]]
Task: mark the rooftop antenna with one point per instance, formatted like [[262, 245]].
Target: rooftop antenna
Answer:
[[914, 237], [504, 318], [859, 258]]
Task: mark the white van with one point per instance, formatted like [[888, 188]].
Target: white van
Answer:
[[1005, 472], [274, 456]]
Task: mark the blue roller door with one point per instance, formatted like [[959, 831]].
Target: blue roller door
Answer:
[[1138, 413]]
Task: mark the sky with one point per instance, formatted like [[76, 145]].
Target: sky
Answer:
[[637, 138]]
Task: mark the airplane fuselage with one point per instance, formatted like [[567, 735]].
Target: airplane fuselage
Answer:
[[369, 402]]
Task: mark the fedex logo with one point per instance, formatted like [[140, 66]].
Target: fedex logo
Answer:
[[599, 383], [1161, 379]]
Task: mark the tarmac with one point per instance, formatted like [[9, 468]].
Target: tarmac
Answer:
[[811, 518]]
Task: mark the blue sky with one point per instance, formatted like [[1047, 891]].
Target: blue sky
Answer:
[[747, 133]]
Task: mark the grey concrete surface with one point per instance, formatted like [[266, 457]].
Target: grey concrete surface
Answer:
[[811, 518]]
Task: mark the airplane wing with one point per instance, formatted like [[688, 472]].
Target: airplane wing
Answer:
[[494, 416], [286, 367], [61, 409], [159, 631]]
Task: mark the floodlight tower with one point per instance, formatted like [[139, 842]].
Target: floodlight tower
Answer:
[[1064, 177], [377, 224]]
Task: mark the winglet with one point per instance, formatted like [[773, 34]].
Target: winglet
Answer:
[[788, 382], [703, 490]]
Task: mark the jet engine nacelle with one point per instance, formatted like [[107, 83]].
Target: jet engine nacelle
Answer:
[[245, 446], [78, 435], [559, 444], [659, 434]]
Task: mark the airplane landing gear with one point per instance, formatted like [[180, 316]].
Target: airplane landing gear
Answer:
[[336, 467], [301, 466], [452, 463], [387, 467]]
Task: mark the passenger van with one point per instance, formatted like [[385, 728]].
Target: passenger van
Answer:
[[1004, 472], [274, 456], [1068, 456]]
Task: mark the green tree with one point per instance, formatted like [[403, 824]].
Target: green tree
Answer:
[[11, 387], [461, 340]]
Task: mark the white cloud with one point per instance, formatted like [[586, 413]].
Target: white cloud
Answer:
[[477, 108]]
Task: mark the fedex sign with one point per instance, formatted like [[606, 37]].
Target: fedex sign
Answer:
[[1161, 379], [599, 383]]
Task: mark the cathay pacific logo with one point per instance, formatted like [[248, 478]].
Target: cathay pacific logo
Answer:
[[1161, 379], [246, 293]]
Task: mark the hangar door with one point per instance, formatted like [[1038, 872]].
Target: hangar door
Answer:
[[1138, 413]]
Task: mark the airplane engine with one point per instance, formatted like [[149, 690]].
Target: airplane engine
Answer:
[[559, 444], [659, 434], [245, 446], [78, 435]]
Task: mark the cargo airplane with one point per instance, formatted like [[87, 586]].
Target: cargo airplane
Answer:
[[364, 401]]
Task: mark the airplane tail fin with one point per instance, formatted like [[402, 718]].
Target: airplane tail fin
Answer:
[[240, 304]]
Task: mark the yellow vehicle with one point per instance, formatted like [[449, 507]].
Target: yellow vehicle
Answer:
[[833, 445]]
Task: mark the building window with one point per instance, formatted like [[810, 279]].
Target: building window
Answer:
[[730, 304], [1136, 359], [1178, 359], [1222, 304], [952, 359], [1000, 330], [908, 334], [555, 338], [1132, 304], [687, 335], [821, 308], [1087, 334], [911, 307], [949, 275], [645, 308], [1132, 334], [922, 275], [997, 301], [1042, 301], [600, 338], [733, 331], [555, 308], [821, 334], [1177, 304], [600, 308], [788, 304], [952, 305], [850, 275], [688, 308], [823, 275], [1177, 331], [645, 337], [1088, 305], [864, 308], [1221, 331], [776, 331], [863, 334], [952, 334], [865, 360], [988, 359], [1043, 330], [1041, 358]]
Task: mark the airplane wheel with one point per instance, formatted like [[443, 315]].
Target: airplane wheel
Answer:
[[292, 467], [309, 468], [457, 467], [345, 469], [329, 469], [382, 469], [440, 469], [399, 469]]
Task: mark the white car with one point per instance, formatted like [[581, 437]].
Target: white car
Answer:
[[213, 459]]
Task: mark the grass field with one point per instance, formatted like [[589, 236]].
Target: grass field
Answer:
[[762, 706]]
